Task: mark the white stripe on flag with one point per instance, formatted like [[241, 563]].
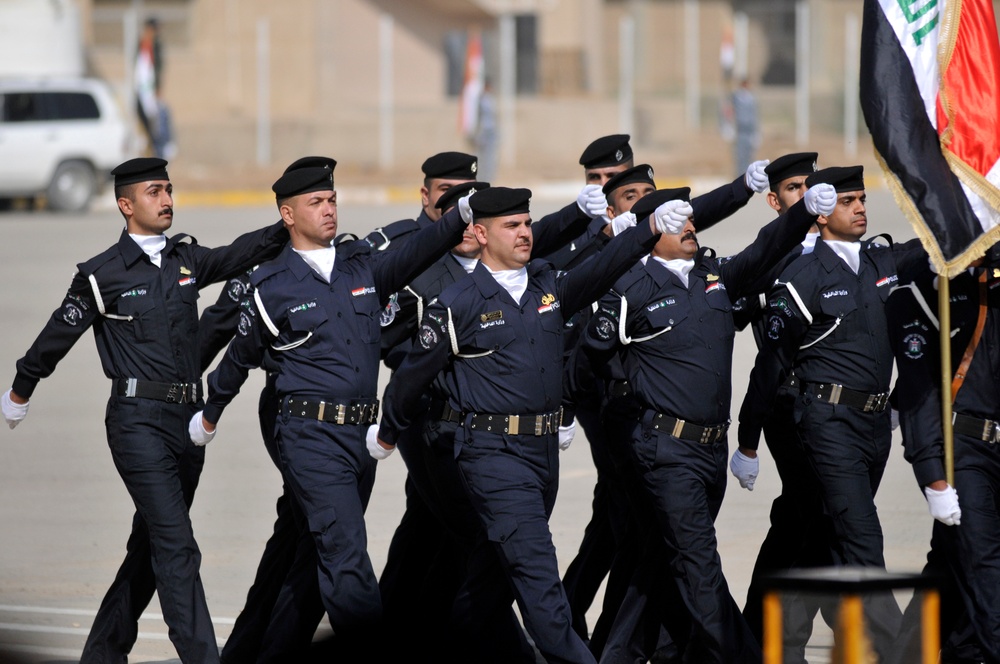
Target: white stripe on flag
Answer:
[[917, 31]]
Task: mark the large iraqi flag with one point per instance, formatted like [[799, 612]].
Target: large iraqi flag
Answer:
[[930, 93]]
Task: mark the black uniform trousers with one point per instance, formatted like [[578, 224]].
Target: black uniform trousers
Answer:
[[686, 482], [512, 482], [799, 535], [331, 475], [471, 619], [160, 467], [287, 632], [847, 450]]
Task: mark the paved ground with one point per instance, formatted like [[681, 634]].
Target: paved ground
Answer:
[[65, 515]]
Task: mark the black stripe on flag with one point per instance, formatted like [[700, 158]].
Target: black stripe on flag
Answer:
[[907, 141]]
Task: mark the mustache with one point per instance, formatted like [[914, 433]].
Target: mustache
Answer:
[[166, 211], [690, 235]]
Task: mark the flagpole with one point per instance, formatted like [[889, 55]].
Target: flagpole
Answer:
[[944, 316]]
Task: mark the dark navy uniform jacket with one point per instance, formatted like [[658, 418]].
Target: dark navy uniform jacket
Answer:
[[828, 325], [403, 313], [323, 337], [503, 357], [145, 318], [678, 342], [912, 311]]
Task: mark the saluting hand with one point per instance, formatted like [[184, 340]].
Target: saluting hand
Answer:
[[672, 216], [756, 179], [591, 201], [820, 199], [13, 411]]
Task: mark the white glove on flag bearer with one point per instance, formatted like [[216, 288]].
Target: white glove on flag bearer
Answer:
[[566, 434], [943, 505]]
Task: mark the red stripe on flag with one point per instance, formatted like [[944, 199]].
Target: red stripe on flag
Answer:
[[969, 99]]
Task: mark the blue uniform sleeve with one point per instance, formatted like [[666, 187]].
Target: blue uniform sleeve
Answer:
[[240, 255], [66, 325], [595, 276], [217, 324], [245, 352], [720, 203], [786, 325], [430, 354], [395, 269], [773, 243], [556, 230]]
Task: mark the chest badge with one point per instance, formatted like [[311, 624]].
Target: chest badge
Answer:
[[184, 270], [548, 298]]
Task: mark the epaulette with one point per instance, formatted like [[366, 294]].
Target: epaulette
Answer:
[[344, 237], [797, 265], [380, 238], [181, 237], [354, 248], [265, 271], [634, 274], [873, 242], [90, 266], [538, 266]]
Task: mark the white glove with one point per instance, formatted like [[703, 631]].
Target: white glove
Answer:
[[196, 429], [465, 209], [755, 178], [744, 469], [376, 451], [821, 199], [566, 434], [622, 222], [13, 412], [591, 201], [672, 216], [894, 418], [943, 505]]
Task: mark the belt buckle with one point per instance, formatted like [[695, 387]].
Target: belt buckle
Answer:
[[130, 385], [341, 413], [513, 425], [172, 392], [707, 435], [678, 428], [991, 432], [835, 392], [876, 403]]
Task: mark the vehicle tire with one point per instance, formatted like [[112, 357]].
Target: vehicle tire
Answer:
[[72, 187]]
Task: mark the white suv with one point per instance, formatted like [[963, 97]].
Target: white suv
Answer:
[[60, 138]]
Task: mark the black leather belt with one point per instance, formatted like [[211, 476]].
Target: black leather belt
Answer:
[[148, 389], [838, 394], [619, 389], [442, 411], [681, 429], [355, 411], [791, 384], [985, 430], [515, 425]]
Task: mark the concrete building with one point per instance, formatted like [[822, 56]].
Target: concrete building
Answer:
[[376, 82]]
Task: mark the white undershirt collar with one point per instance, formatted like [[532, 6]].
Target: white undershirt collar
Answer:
[[151, 245], [320, 260], [514, 282], [850, 252]]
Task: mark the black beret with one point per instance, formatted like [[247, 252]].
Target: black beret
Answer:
[[140, 169], [303, 181], [646, 205], [450, 197], [640, 173], [843, 178], [790, 165], [499, 202], [312, 162], [607, 151], [451, 166]]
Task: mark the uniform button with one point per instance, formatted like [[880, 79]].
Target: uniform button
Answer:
[[496, 346], [543, 369], [348, 342], [357, 369], [340, 315], [532, 341]]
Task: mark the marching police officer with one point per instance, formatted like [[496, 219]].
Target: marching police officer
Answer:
[[671, 318], [499, 333], [966, 529], [314, 313], [140, 296], [826, 322]]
